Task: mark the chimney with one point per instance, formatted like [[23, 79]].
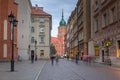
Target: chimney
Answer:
[[41, 8]]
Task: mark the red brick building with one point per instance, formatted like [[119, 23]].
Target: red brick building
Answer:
[[56, 42], [6, 6], [59, 40]]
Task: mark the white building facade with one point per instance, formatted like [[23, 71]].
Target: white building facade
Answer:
[[40, 33], [24, 20]]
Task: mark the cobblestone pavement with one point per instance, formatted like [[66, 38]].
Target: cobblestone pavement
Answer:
[[68, 70], [23, 70]]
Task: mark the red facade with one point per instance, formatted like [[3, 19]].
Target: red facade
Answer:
[[6, 6]]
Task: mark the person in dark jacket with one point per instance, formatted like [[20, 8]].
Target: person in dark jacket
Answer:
[[32, 57], [52, 60], [77, 58]]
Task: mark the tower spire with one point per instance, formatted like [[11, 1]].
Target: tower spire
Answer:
[[62, 14], [62, 22]]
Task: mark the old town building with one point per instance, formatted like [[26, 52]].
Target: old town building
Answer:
[[40, 29], [78, 32], [24, 18], [84, 25], [71, 37], [105, 30], [6, 6], [58, 41]]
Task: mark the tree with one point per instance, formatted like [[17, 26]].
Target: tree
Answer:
[[53, 51]]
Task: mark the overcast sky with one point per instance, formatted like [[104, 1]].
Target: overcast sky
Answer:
[[54, 7]]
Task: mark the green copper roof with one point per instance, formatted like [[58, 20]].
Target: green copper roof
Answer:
[[62, 22]]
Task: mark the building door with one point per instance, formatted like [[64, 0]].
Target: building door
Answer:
[[103, 55]]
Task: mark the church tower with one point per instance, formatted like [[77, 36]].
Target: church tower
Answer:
[[62, 32]]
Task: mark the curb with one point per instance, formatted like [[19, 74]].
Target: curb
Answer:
[[40, 70]]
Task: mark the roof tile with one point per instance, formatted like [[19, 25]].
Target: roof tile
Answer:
[[39, 11]]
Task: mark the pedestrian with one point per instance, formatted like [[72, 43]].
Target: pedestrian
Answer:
[[36, 57], [52, 59], [77, 58], [57, 59], [32, 57], [67, 57]]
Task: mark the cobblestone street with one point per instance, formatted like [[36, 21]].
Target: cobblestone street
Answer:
[[68, 70], [64, 70]]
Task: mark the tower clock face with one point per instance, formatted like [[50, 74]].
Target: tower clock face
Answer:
[[42, 30]]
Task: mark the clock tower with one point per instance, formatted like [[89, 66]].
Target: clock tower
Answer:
[[62, 32]]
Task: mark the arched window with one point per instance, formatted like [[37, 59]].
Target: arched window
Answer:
[[32, 29], [32, 40]]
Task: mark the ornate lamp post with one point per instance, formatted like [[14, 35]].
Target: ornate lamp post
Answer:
[[13, 23]]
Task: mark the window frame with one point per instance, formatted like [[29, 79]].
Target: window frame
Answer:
[[32, 40]]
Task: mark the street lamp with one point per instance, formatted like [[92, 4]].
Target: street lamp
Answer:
[[35, 50], [13, 23]]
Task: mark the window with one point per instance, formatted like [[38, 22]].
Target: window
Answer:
[[41, 39], [42, 30], [42, 20], [96, 25], [96, 3], [81, 35], [113, 15], [32, 30], [41, 52], [96, 46], [104, 20], [5, 30], [32, 20], [32, 40]]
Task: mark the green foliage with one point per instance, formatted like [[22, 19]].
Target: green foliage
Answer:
[[53, 51]]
